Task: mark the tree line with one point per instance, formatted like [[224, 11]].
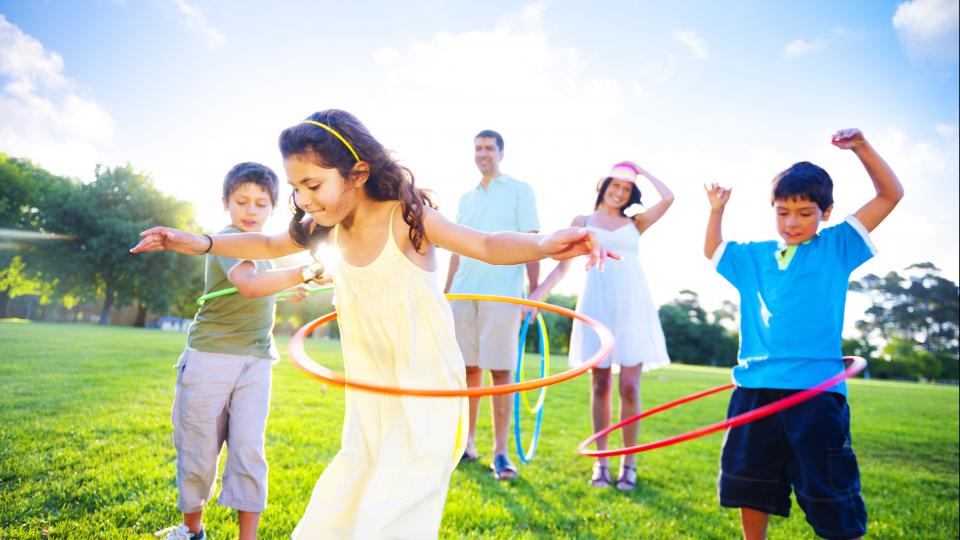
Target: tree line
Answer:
[[97, 222], [910, 330]]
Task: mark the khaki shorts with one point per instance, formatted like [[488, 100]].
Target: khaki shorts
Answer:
[[221, 398], [488, 333]]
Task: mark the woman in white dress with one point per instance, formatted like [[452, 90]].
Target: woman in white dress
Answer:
[[620, 299]]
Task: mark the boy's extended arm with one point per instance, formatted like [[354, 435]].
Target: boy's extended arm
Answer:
[[253, 284], [885, 182], [718, 197]]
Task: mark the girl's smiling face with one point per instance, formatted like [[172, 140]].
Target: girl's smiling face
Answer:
[[321, 192]]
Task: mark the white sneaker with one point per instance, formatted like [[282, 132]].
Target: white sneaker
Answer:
[[181, 532]]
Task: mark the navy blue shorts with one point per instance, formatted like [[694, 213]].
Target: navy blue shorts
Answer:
[[805, 448]]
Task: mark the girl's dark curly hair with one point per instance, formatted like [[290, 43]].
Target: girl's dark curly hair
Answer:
[[388, 180]]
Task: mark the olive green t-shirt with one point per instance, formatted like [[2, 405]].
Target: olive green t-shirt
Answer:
[[233, 324]]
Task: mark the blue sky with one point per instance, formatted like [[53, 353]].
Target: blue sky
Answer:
[[695, 92]]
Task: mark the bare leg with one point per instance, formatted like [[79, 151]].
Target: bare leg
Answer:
[[629, 407], [754, 524], [502, 406], [600, 406], [474, 379], [248, 524], [194, 521]]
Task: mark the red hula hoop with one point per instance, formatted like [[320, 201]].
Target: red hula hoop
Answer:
[[855, 365]]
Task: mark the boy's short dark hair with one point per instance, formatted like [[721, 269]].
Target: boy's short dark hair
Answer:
[[252, 173], [493, 135], [806, 181]]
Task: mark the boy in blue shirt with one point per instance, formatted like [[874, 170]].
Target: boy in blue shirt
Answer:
[[792, 297]]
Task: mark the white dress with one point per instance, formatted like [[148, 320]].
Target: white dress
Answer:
[[390, 477], [620, 299]]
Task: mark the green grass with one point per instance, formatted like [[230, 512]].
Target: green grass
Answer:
[[86, 451]]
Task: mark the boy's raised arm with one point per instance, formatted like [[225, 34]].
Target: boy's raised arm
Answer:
[[718, 198], [885, 182]]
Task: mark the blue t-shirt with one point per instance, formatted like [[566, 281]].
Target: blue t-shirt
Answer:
[[791, 319], [505, 205]]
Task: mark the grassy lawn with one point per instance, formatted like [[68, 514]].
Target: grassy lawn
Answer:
[[86, 451]]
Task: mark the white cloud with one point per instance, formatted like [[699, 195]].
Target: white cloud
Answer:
[[385, 55], [929, 28], [197, 22], [946, 131], [692, 41], [561, 120], [44, 116], [800, 47]]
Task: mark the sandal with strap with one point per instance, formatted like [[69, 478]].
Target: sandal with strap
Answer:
[[502, 468], [628, 478], [601, 476]]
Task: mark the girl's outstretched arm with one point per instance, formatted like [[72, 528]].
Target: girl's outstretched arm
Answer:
[[505, 248], [253, 246], [655, 212], [558, 273]]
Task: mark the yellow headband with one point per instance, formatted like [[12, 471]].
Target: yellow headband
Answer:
[[335, 134]]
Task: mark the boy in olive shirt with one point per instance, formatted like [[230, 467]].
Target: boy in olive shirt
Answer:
[[223, 378]]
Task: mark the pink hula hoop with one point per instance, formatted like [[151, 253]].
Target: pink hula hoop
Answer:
[[855, 365]]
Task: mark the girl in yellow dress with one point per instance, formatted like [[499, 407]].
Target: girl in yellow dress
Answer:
[[390, 477]]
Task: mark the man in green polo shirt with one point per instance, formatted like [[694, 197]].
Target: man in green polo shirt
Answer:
[[487, 332]]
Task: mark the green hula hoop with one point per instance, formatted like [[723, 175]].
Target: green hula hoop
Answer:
[[233, 290]]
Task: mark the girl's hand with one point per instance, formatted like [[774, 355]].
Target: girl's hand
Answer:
[[717, 195], [573, 242], [166, 238], [848, 139]]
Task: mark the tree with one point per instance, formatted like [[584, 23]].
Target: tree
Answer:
[[23, 189], [105, 218], [903, 359], [693, 337], [920, 306]]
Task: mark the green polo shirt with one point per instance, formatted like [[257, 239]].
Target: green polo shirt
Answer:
[[505, 205], [233, 324]]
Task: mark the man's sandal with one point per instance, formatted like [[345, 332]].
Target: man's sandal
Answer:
[[502, 468]]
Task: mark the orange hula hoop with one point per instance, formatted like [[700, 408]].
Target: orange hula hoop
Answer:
[[306, 364]]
